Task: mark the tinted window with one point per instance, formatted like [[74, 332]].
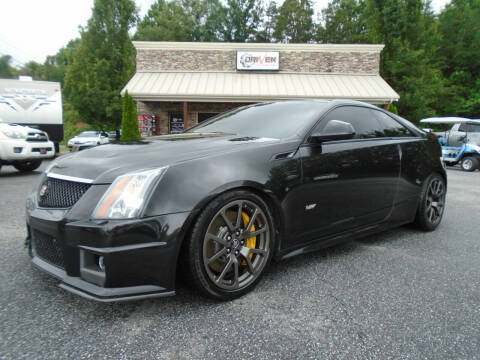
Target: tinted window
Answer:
[[276, 120], [366, 125], [391, 127]]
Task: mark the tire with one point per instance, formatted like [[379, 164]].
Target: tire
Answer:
[[27, 165], [469, 163], [432, 203], [221, 259]]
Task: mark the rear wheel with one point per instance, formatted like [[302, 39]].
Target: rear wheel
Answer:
[[230, 245], [432, 203], [27, 165], [469, 163]]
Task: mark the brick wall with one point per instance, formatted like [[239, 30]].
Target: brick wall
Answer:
[[294, 61]]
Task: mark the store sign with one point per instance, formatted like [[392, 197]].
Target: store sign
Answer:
[[258, 60]]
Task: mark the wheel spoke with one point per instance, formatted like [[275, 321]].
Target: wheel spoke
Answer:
[[227, 221], [224, 272], [252, 219], [217, 239], [251, 270], [217, 255], [238, 223], [431, 212], [258, 251], [235, 273], [255, 233]]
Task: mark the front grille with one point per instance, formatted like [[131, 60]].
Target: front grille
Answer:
[[55, 193], [37, 137], [40, 149], [48, 249]]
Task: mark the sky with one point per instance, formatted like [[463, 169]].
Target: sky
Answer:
[[33, 29]]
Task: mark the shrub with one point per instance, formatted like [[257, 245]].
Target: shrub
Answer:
[[129, 119]]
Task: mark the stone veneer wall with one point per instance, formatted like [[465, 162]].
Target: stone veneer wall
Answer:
[[162, 109], [290, 61]]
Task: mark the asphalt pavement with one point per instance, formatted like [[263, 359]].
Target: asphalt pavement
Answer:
[[403, 294]]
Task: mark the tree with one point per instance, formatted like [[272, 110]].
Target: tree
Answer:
[[268, 24], [102, 64], [242, 20], [295, 22], [6, 71], [343, 22], [165, 21], [129, 119], [459, 54], [407, 63]]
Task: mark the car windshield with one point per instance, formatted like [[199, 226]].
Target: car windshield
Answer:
[[279, 120], [88, 134]]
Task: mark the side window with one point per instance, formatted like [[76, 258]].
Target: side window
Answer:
[[474, 128], [391, 127], [462, 127], [365, 124]]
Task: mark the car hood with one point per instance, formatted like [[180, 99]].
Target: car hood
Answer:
[[104, 163]]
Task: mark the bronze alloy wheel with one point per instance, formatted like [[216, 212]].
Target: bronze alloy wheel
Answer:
[[236, 245], [432, 204]]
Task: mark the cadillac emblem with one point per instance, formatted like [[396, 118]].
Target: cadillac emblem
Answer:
[[43, 190]]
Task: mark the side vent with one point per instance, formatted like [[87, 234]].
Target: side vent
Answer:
[[283, 155]]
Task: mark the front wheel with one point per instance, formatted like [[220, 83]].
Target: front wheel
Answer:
[[27, 165], [432, 203], [230, 246], [469, 163]]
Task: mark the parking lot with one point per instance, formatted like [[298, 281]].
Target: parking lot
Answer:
[[403, 294]]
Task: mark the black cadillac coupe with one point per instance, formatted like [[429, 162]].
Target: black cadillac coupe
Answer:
[[221, 200]]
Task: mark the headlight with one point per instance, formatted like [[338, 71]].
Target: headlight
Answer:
[[125, 198], [14, 134]]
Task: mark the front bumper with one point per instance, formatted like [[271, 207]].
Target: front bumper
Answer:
[[139, 256], [22, 150]]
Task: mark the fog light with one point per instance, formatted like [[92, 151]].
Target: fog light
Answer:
[[17, 150], [101, 264]]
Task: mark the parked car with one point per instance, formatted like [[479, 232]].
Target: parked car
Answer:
[[24, 147], [88, 139], [222, 199]]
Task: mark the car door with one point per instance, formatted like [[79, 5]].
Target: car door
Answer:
[[347, 183]]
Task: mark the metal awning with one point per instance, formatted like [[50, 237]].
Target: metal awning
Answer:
[[255, 87]]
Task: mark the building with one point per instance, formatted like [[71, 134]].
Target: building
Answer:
[[178, 84]]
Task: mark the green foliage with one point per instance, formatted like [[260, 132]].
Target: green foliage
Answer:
[[295, 22], [72, 125], [129, 119], [343, 22], [102, 64], [242, 20], [182, 20], [6, 71], [459, 53], [392, 108]]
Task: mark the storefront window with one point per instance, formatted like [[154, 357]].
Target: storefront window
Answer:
[[176, 123], [204, 116]]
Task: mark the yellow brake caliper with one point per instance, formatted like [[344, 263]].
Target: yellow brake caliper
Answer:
[[251, 242]]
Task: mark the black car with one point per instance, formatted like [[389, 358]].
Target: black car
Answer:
[[219, 201]]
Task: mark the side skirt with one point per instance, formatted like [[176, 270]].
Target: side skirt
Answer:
[[326, 242]]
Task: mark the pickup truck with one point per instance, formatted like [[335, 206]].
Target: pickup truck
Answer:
[[24, 147]]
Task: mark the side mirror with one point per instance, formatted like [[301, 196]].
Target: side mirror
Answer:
[[334, 130]]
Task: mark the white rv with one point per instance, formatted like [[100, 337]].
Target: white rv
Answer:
[[36, 104]]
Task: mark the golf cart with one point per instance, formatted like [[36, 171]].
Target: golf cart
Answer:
[[460, 144]]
